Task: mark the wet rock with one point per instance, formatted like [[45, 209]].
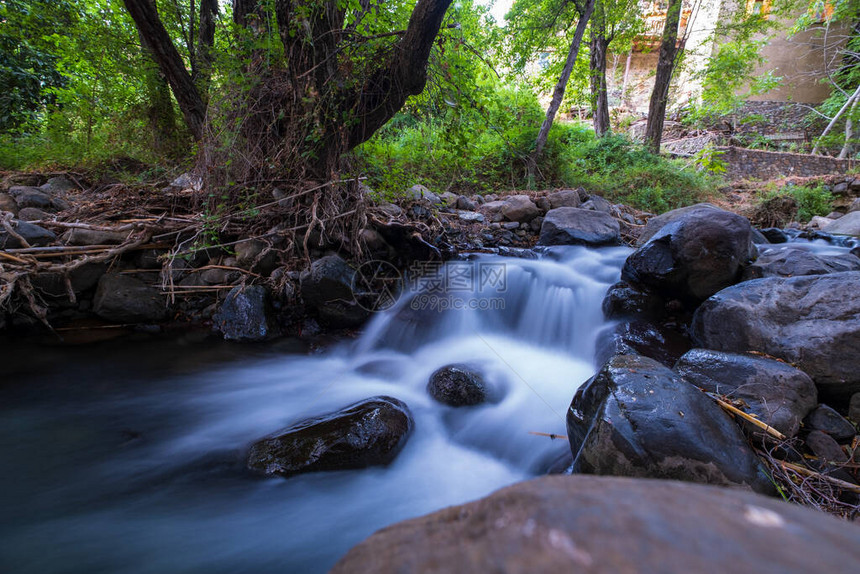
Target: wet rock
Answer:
[[33, 214], [812, 322], [33, 234], [327, 288], [848, 225], [825, 447], [368, 433], [694, 255], [519, 208], [758, 237], [827, 420], [610, 525], [775, 235], [574, 226], [94, 237], [795, 262], [245, 315], [564, 198], [597, 203], [626, 300], [637, 418], [125, 299], [8, 203], [31, 197], [81, 279], [421, 193], [780, 395], [457, 386], [657, 223], [651, 340]]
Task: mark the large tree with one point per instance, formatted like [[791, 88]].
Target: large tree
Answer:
[[665, 67], [335, 76]]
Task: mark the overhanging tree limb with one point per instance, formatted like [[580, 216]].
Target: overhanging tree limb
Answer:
[[838, 115]]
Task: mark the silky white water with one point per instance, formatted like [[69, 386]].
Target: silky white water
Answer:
[[128, 459]]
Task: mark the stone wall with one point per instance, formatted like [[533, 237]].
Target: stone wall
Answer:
[[743, 163]]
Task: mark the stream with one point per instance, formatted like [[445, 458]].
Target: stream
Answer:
[[126, 456]]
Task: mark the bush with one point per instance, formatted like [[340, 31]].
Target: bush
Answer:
[[809, 200]]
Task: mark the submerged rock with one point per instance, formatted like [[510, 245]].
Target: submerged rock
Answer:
[[812, 322], [610, 525], [368, 433], [653, 340], [780, 395], [637, 418], [457, 386], [626, 300], [794, 262], [575, 226]]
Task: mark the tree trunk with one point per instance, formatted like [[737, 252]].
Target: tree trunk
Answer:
[[149, 25], [205, 44], [665, 68], [838, 115], [849, 130], [560, 87], [599, 95]]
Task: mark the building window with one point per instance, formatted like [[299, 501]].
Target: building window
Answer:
[[759, 7]]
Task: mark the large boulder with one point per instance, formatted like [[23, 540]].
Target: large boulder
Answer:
[[368, 433], [780, 395], [564, 198], [245, 315], [610, 525], [626, 300], [657, 223], [794, 262], [694, 255], [27, 196], [847, 225], [574, 226], [328, 287], [124, 299], [637, 337], [33, 234], [812, 322], [94, 237], [457, 386], [637, 418], [519, 208]]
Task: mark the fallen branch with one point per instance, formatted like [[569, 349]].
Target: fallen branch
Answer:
[[550, 435], [748, 417]]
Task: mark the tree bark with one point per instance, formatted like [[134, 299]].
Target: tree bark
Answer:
[[599, 95], [205, 44], [838, 115], [560, 87], [149, 25], [663, 77]]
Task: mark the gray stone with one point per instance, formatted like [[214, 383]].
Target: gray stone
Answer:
[[457, 386], [81, 279], [32, 234], [638, 337], [94, 237], [510, 225], [368, 433], [597, 203], [694, 255], [780, 395], [825, 447], [827, 420], [33, 214], [626, 300], [855, 205], [655, 224], [574, 226], [519, 208], [818, 222], [31, 197], [252, 255], [492, 210], [8, 203], [124, 299], [421, 193], [610, 525], [245, 315], [470, 216], [812, 322], [449, 199], [59, 184], [637, 418], [466, 204], [564, 198], [544, 204], [848, 225], [834, 215], [790, 262]]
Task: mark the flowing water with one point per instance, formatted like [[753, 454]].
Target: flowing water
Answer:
[[126, 457]]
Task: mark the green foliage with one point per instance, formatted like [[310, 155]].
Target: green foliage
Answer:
[[810, 200]]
